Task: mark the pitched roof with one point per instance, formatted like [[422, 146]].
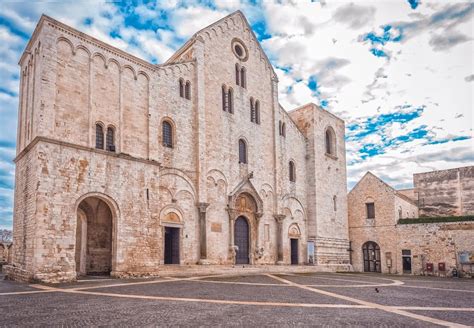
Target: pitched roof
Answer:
[[191, 41], [398, 194]]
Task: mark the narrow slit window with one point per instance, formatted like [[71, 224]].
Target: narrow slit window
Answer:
[[224, 99], [110, 139], [237, 74], [187, 90], [230, 100], [242, 152], [99, 136], [181, 88], [167, 134]]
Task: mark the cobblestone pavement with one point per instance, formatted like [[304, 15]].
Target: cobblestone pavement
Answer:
[[316, 299]]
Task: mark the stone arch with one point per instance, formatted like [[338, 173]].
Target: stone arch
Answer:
[[171, 215], [66, 40], [80, 46], [294, 231], [117, 64], [174, 136], [101, 56], [144, 74], [177, 173], [96, 233], [294, 204], [131, 70], [330, 141]]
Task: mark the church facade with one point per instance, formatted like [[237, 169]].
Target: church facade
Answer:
[[124, 166]]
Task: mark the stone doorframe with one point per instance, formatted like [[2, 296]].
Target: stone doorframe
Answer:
[[253, 212], [115, 211]]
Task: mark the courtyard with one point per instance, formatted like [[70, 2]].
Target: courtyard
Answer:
[[290, 299]]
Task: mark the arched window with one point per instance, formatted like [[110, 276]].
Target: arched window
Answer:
[[334, 201], [330, 141], [257, 112], [187, 91], [243, 77], [110, 141], [237, 74], [283, 129], [99, 136], [279, 128], [242, 151], [167, 134], [400, 213], [252, 110], [292, 171], [181, 88], [230, 100], [225, 105]]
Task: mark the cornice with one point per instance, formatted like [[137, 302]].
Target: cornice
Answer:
[[79, 147]]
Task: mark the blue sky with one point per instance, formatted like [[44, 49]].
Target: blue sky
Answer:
[[399, 72]]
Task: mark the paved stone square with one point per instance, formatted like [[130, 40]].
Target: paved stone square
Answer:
[[310, 299]]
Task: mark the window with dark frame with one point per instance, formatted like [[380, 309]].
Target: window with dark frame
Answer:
[[110, 140], [252, 110], [292, 171], [370, 208], [187, 90], [224, 99], [237, 74], [243, 77], [167, 134], [181, 88], [99, 136], [257, 112], [230, 100], [242, 151]]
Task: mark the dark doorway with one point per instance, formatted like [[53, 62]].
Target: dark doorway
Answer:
[[294, 251], [171, 245], [93, 237], [371, 257], [406, 260], [241, 239]]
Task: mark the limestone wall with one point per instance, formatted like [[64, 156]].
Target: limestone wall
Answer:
[[71, 82], [328, 191], [446, 193], [428, 243]]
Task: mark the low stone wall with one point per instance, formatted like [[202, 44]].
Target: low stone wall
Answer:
[[17, 274]]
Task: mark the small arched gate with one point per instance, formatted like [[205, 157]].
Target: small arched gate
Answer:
[[371, 253]]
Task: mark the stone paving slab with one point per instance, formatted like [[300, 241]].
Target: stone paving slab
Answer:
[[259, 279], [403, 296], [209, 290], [331, 280], [61, 309], [463, 318], [210, 302]]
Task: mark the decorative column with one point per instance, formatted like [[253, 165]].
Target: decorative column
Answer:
[[202, 207], [232, 252], [279, 218]]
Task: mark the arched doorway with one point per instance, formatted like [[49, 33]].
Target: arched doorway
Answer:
[[371, 253], [241, 238], [94, 237]]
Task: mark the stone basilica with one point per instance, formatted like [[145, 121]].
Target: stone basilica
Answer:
[[124, 167]]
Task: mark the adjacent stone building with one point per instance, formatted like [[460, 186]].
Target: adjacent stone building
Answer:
[[446, 192], [383, 241], [124, 166]]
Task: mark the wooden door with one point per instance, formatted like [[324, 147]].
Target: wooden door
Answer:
[[241, 240]]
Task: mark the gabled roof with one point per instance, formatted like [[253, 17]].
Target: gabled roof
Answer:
[[191, 41], [368, 173]]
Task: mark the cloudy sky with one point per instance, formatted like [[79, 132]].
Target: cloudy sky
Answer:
[[399, 72]]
